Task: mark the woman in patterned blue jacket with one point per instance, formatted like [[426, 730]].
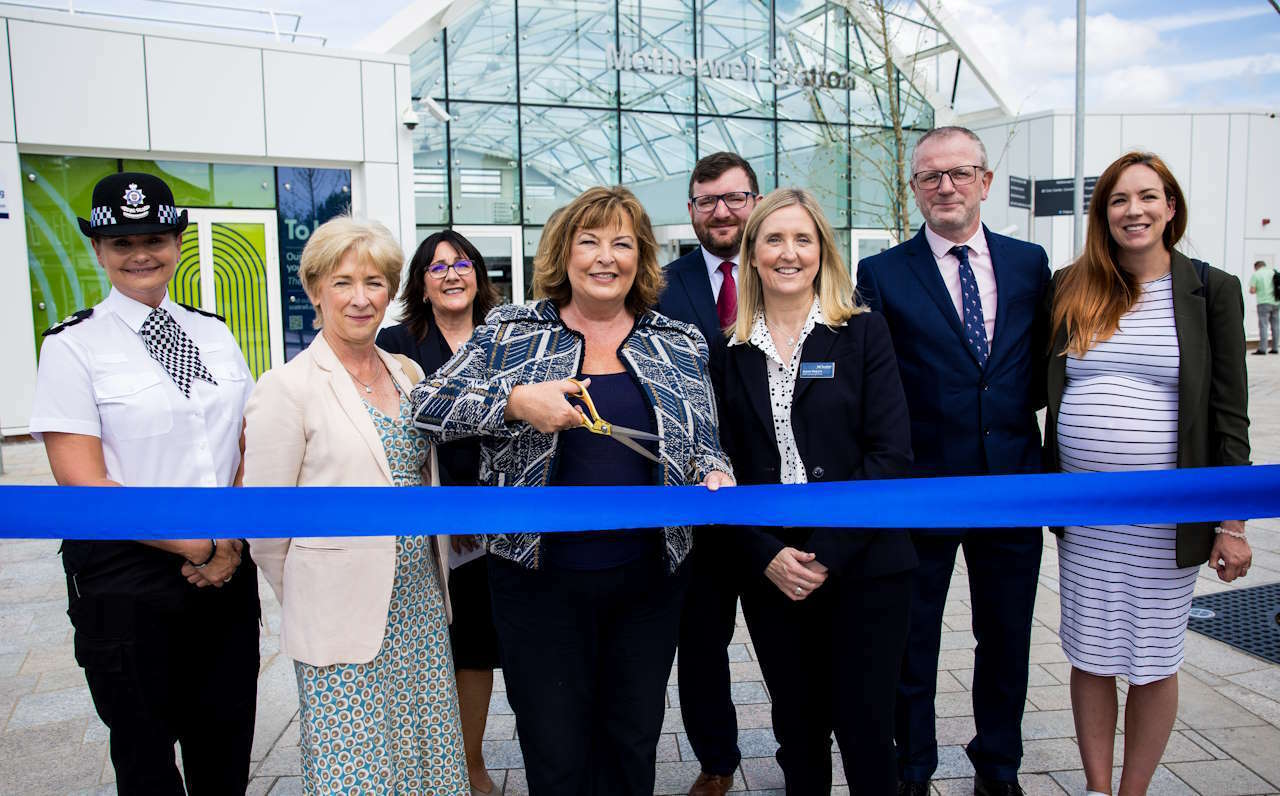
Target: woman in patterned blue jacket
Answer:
[[587, 622]]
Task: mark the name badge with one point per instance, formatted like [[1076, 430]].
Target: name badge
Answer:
[[817, 370]]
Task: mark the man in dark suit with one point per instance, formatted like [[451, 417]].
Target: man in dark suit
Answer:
[[964, 310], [702, 289]]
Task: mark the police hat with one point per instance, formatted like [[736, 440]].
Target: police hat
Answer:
[[130, 203]]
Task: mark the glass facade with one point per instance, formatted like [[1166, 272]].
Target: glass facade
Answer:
[[548, 98]]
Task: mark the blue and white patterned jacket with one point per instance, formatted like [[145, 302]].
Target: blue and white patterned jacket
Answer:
[[518, 345]]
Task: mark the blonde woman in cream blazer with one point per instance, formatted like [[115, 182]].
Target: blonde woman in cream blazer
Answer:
[[335, 609], [364, 618]]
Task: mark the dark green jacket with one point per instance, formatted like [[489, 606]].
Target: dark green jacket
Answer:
[[1213, 386]]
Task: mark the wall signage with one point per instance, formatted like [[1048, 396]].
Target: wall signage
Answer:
[[1019, 192], [749, 68], [1055, 197]]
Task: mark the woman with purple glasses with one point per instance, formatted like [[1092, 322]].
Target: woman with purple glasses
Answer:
[[447, 293]]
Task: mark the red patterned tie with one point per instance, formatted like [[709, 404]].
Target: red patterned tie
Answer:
[[727, 303]]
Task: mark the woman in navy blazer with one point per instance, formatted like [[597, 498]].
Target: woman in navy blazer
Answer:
[[809, 391]]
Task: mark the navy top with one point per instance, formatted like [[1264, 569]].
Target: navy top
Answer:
[[587, 459]]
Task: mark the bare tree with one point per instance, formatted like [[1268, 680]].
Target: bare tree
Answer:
[[883, 153]]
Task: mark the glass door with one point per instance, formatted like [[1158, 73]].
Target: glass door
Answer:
[[503, 252], [674, 241], [230, 265], [866, 242]]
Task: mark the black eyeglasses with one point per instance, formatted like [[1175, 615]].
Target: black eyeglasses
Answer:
[[734, 200], [440, 270], [960, 175]]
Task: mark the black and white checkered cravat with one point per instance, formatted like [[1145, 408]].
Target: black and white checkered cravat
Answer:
[[170, 346]]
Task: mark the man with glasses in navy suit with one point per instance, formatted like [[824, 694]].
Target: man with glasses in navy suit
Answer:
[[702, 289], [965, 312]]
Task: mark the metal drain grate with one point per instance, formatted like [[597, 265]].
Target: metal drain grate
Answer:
[[1247, 619]]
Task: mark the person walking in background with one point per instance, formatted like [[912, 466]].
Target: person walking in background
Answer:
[[446, 295], [1147, 373], [587, 622], [365, 619], [702, 289], [141, 391], [810, 392], [964, 307], [1263, 285]]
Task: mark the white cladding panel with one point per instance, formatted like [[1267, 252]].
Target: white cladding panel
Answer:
[[1264, 169], [7, 132], [17, 355], [1206, 191], [205, 97], [1101, 143], [313, 107], [1167, 135], [1237, 181], [995, 210], [382, 197], [66, 105], [381, 117]]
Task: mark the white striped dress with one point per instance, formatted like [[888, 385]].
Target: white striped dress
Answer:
[[1125, 601]]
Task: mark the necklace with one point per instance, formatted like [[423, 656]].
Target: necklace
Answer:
[[368, 388], [791, 338]]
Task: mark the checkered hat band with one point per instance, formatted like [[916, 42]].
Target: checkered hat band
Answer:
[[168, 214], [101, 217]]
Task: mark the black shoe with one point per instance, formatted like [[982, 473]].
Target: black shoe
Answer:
[[1273, 351], [913, 788], [995, 787], [1259, 353]]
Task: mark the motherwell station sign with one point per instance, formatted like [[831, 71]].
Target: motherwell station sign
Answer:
[[657, 61]]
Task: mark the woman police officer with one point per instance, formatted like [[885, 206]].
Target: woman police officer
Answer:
[[141, 391]]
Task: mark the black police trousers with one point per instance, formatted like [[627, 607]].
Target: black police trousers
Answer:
[[181, 669]]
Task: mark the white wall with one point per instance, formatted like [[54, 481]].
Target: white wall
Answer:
[[17, 353], [84, 86], [1225, 161]]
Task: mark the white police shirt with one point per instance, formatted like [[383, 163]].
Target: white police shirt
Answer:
[[96, 378]]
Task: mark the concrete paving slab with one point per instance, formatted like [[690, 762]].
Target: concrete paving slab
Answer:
[[1258, 748], [1221, 778]]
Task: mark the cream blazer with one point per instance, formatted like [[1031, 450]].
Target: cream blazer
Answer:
[[305, 425]]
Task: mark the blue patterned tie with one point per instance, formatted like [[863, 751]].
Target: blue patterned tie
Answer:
[[975, 326]]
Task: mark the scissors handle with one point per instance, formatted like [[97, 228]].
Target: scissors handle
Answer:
[[591, 419]]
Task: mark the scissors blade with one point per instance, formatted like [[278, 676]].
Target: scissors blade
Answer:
[[634, 433], [635, 446]]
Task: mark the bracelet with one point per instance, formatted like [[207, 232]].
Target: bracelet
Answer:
[[1236, 534], [213, 551]]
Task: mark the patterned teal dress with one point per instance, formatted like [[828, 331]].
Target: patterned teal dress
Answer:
[[390, 726]]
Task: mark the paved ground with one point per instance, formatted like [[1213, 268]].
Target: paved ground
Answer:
[[1226, 740]]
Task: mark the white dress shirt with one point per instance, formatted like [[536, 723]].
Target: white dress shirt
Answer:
[[96, 378], [782, 387], [713, 271], [983, 272]]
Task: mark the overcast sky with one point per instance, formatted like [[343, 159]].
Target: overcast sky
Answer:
[[1146, 54], [1177, 54]]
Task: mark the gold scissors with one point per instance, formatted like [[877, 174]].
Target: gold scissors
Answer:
[[597, 425]]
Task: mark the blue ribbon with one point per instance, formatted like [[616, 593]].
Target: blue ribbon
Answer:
[[50, 512]]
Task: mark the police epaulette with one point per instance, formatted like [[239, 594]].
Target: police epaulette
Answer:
[[70, 320], [205, 313]]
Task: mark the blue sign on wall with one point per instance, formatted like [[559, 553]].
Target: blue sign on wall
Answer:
[[306, 198]]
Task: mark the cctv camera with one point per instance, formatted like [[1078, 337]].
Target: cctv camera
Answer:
[[433, 107], [409, 117]]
